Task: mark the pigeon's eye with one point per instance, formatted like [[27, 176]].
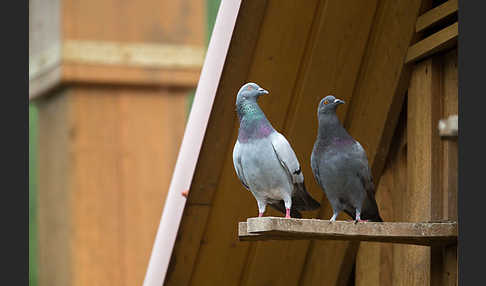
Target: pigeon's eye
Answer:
[[326, 101], [250, 87]]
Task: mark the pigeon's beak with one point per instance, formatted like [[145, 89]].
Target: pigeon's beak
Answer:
[[339, 101], [262, 91]]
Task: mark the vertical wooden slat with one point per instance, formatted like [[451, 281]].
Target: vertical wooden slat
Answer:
[[424, 173], [450, 171]]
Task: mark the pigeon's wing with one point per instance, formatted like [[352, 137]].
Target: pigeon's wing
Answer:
[[301, 199], [370, 208], [237, 164], [315, 167], [287, 157], [363, 171]]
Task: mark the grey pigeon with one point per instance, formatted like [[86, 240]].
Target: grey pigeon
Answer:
[[340, 167], [264, 161]]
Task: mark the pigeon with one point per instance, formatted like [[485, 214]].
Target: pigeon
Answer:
[[340, 166], [264, 160]]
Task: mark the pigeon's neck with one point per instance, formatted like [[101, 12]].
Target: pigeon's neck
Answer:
[[253, 123], [331, 131]]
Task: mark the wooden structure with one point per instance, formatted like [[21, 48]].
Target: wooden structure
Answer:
[[395, 64], [111, 81], [275, 228]]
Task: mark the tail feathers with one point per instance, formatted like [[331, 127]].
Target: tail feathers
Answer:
[[365, 215], [302, 200], [280, 206]]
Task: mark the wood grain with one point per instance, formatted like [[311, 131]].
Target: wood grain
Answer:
[[326, 56], [274, 66], [440, 41], [436, 15], [105, 173], [421, 233]]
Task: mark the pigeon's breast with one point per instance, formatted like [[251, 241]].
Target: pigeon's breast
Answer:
[[265, 175]]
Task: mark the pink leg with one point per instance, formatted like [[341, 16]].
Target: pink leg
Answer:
[[358, 218], [287, 213], [260, 214]]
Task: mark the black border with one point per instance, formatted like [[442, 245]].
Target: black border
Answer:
[[472, 143], [14, 129]]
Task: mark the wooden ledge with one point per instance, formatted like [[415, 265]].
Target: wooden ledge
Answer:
[[279, 228]]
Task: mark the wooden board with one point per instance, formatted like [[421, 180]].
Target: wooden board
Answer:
[[424, 199], [436, 15], [440, 41], [176, 22], [103, 177], [426, 233]]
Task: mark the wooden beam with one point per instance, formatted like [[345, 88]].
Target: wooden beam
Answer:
[[424, 189], [150, 55], [274, 228], [436, 15], [100, 62], [440, 41]]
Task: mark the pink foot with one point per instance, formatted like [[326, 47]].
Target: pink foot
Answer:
[[260, 214], [361, 220], [287, 213]]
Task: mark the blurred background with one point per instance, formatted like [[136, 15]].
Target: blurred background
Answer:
[[111, 85]]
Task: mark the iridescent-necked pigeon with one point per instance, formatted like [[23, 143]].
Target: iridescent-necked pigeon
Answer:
[[340, 167], [264, 161]]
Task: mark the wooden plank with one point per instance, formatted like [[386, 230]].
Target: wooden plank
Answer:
[[436, 15], [423, 233], [450, 164], [283, 262], [448, 127], [134, 76], [440, 41], [274, 65], [189, 239], [375, 262], [424, 160], [150, 55], [175, 22]]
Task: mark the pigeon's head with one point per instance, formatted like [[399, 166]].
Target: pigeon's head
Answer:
[[250, 92], [329, 104]]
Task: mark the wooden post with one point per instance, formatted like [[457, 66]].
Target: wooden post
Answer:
[[432, 165], [110, 126]]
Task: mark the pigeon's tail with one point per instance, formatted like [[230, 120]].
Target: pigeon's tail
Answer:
[[280, 206], [302, 200]]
